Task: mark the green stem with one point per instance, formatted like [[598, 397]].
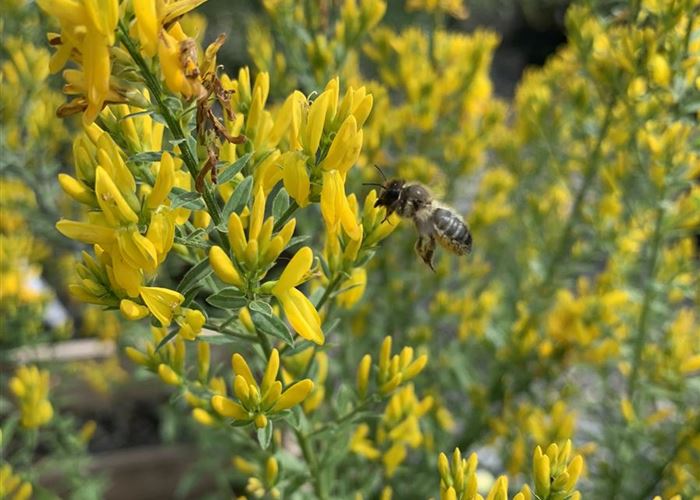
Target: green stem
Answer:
[[334, 283], [229, 333], [173, 123], [312, 463], [642, 331], [361, 407]]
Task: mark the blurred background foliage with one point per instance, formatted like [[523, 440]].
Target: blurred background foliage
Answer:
[[576, 316]]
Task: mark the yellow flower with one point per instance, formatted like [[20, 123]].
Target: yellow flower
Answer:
[[258, 401], [87, 33], [162, 302], [345, 148], [223, 267], [31, 388], [394, 370], [296, 177], [298, 309], [335, 207]]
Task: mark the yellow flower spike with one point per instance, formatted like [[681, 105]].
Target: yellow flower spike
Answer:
[[77, 190], [296, 177], [162, 302], [363, 375], [499, 491], [229, 408], [31, 387], [110, 199], [240, 367], [131, 310], [168, 375], [223, 267], [164, 182], [236, 236], [294, 395], [273, 365], [314, 123], [87, 233], [541, 473]]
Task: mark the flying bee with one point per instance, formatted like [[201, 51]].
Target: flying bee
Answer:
[[433, 220]]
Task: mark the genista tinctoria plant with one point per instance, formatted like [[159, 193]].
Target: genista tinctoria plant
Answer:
[[225, 207]]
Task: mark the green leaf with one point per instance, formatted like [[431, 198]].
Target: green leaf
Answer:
[[268, 323], [280, 203], [227, 298], [230, 172], [197, 273], [265, 435], [239, 198], [186, 199], [217, 338], [145, 157], [297, 240], [167, 339]]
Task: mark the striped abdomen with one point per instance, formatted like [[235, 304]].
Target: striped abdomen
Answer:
[[451, 231]]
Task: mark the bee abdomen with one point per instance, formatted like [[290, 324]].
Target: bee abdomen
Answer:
[[452, 231]]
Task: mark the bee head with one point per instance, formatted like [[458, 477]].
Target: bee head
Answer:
[[389, 193]]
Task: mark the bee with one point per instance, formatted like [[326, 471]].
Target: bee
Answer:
[[433, 220]]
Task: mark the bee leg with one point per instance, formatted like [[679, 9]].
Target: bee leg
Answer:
[[425, 247]]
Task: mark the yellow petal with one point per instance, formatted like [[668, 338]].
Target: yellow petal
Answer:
[[294, 395], [223, 267], [164, 182], [296, 178], [131, 310], [87, 233], [295, 271], [240, 367], [302, 315], [162, 302], [228, 408], [273, 365]]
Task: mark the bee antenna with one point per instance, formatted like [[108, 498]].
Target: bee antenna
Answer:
[[380, 172], [372, 184]]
